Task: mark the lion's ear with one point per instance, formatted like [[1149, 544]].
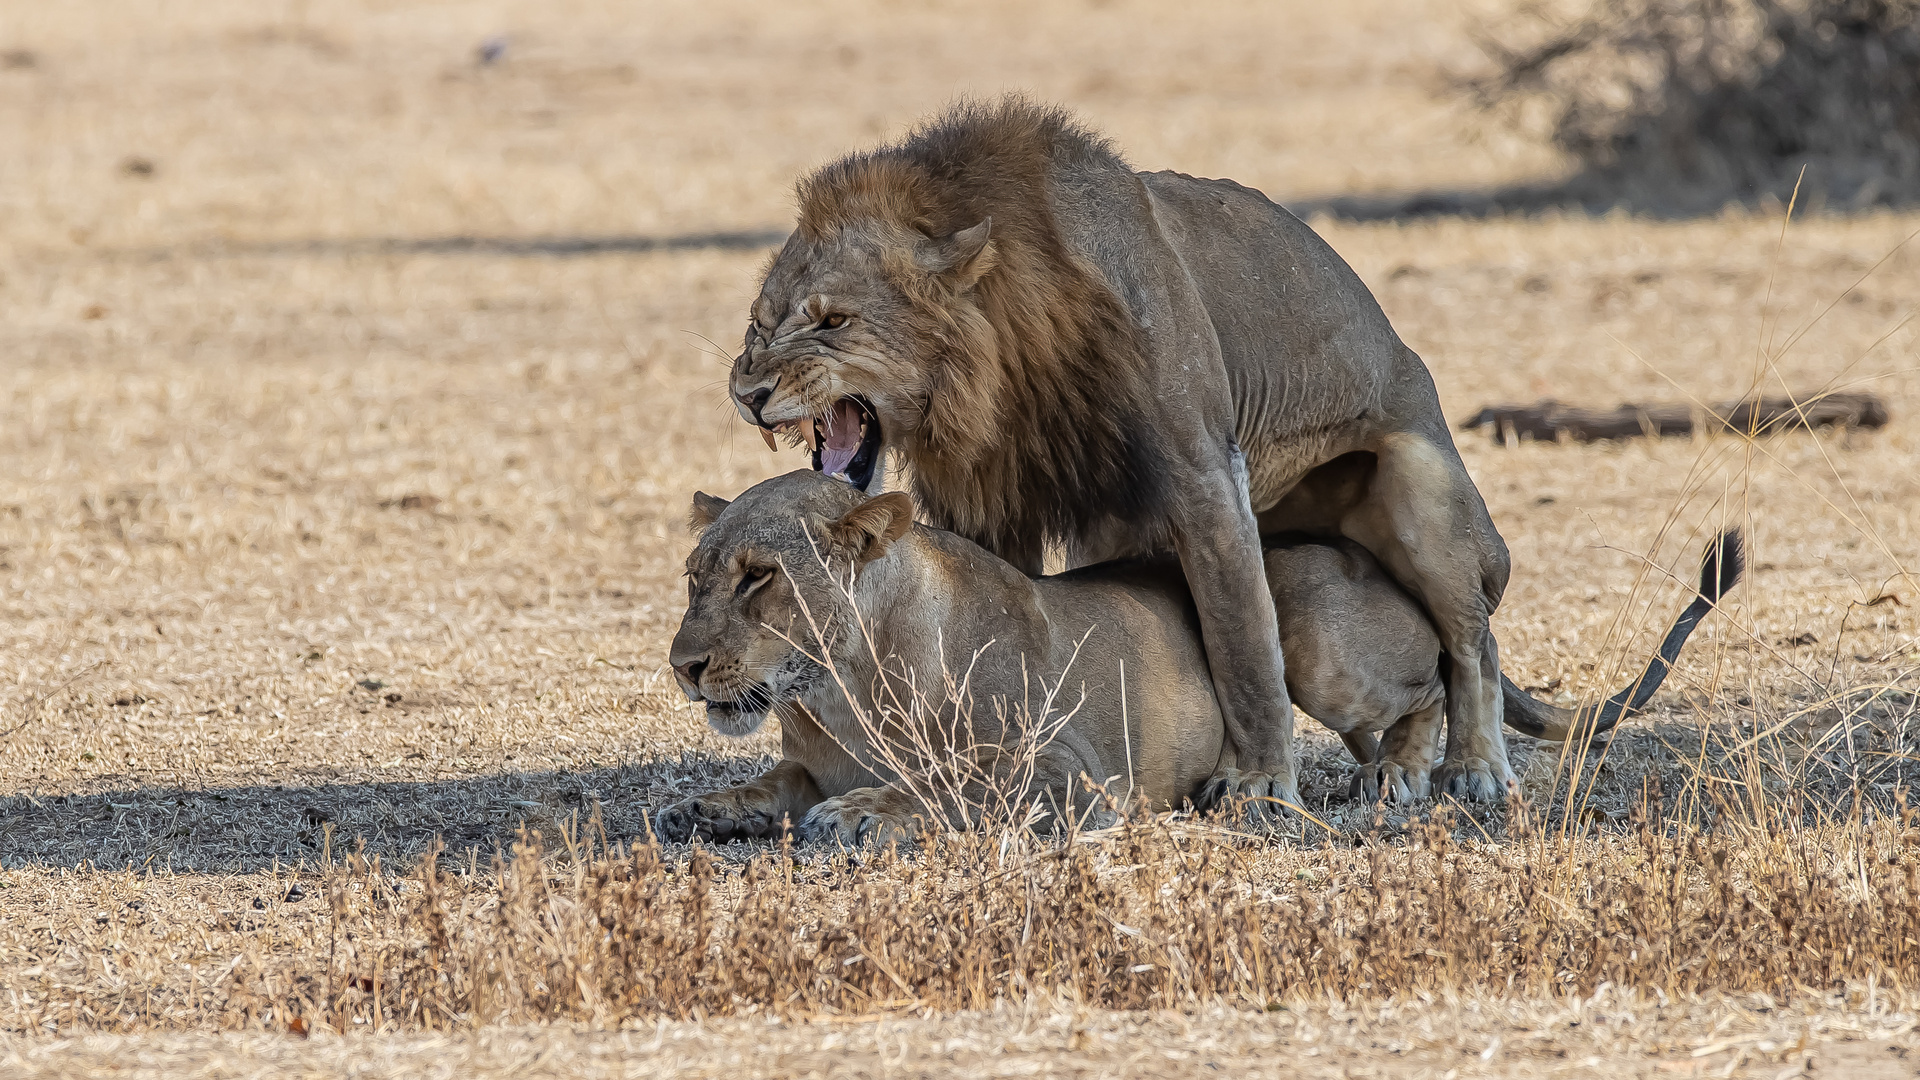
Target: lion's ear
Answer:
[[706, 510], [865, 532], [960, 258]]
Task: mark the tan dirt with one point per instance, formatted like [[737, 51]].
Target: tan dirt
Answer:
[[1610, 1035]]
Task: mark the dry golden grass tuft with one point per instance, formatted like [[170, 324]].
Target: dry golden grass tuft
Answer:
[[344, 451], [1138, 916], [1741, 950]]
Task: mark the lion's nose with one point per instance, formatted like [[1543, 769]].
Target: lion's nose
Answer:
[[754, 401], [691, 671]]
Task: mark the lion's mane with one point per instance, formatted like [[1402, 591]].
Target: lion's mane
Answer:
[[1039, 411]]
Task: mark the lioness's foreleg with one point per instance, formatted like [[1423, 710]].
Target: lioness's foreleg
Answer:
[[868, 815], [987, 782], [756, 808], [1220, 554], [1425, 521], [1407, 754]]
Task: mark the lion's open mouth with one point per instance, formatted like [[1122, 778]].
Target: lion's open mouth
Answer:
[[850, 445], [845, 442]]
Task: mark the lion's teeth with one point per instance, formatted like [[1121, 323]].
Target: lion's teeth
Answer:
[[809, 434], [768, 436]]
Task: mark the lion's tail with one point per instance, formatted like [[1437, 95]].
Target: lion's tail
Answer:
[[1719, 571]]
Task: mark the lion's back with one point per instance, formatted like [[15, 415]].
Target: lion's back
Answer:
[[1306, 346]]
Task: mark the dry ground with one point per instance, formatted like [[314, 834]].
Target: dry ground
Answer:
[[1619, 1034], [352, 394]]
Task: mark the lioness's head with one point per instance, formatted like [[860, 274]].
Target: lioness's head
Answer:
[[747, 643], [843, 336]]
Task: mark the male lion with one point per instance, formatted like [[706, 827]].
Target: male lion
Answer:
[[1066, 351], [807, 598]]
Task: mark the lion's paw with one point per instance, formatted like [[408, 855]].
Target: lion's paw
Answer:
[[719, 817], [863, 816], [1388, 781], [1475, 779], [1257, 798]]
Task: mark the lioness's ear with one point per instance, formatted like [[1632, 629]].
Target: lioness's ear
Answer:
[[865, 531], [706, 510], [961, 258]]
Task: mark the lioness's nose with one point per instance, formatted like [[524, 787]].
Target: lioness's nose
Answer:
[[754, 401], [691, 671]]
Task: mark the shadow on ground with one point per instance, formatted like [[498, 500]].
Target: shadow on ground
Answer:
[[1598, 193], [251, 828], [494, 246], [256, 827], [1588, 195], [1437, 203]]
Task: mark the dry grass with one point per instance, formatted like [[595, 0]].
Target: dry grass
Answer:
[[301, 530], [1753, 952], [1141, 916]]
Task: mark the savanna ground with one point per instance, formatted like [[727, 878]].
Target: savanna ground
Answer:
[[355, 390]]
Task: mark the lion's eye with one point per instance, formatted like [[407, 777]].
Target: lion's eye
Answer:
[[753, 580], [833, 322]]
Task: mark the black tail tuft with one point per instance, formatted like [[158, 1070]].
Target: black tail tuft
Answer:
[[1725, 562], [1720, 570]]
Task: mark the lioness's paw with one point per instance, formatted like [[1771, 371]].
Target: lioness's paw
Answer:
[[1388, 781], [1476, 779], [856, 818], [1256, 798], [717, 817]]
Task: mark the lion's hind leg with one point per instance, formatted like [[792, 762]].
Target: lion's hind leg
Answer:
[[1362, 745], [1426, 522], [1407, 754]]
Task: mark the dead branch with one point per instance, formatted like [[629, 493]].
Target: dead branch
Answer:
[[1549, 419]]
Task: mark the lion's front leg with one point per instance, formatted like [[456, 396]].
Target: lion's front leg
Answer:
[[1219, 545], [753, 809], [874, 815]]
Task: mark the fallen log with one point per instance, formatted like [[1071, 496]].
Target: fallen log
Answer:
[[1549, 419]]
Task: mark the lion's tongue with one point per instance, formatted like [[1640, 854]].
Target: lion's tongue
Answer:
[[843, 438]]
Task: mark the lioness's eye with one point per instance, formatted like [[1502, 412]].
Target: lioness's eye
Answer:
[[753, 580], [833, 322]]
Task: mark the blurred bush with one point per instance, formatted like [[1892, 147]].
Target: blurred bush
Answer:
[[1684, 105]]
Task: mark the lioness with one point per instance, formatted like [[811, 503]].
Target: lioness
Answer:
[[778, 575], [1067, 351]]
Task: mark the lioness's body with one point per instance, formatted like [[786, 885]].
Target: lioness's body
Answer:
[[932, 604], [1066, 350]]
